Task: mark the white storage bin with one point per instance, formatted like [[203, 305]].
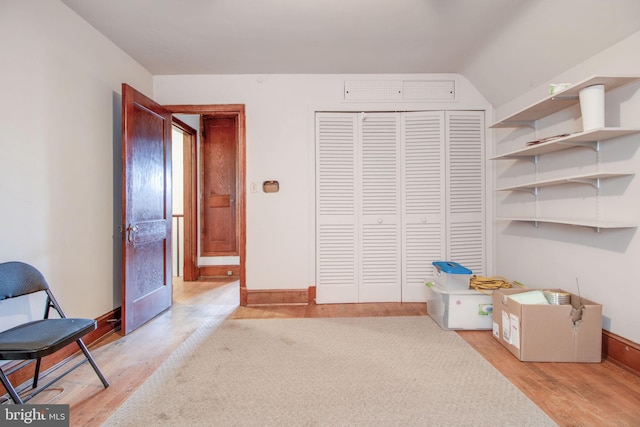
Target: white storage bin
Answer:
[[451, 275], [460, 309]]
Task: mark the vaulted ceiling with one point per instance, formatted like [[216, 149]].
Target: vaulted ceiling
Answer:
[[504, 47]]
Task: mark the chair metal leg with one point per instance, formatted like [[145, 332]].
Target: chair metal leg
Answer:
[[12, 391], [36, 375], [93, 363]]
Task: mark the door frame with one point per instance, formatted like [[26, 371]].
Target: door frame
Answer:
[[191, 271], [191, 252]]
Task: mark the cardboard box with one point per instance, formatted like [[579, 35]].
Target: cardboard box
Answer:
[[459, 309], [548, 333]]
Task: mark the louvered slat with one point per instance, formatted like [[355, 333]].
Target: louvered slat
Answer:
[[336, 151], [380, 208], [380, 151], [336, 255], [380, 255], [465, 167], [423, 164], [423, 199], [465, 219], [422, 245], [336, 199], [466, 245]]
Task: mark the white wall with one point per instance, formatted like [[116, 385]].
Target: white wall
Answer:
[[280, 146], [605, 263], [60, 80]]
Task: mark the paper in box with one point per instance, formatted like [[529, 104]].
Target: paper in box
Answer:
[[548, 332]]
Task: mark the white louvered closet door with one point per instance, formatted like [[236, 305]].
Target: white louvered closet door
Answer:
[[465, 189], [423, 195], [395, 192], [380, 202], [336, 208]]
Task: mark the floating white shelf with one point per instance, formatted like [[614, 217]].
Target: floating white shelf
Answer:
[[591, 139], [590, 178], [595, 224], [559, 101], [588, 139]]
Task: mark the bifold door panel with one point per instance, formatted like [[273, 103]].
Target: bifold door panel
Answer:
[[382, 210]]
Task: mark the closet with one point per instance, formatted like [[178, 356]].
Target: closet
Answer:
[[394, 192]]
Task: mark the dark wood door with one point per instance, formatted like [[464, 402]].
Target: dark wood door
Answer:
[[219, 222], [146, 209]]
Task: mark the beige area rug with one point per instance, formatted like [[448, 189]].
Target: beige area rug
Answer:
[[383, 371]]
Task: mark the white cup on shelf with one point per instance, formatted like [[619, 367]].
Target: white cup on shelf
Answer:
[[592, 107]]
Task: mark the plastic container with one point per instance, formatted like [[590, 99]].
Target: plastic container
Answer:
[[451, 275], [465, 309], [558, 87]]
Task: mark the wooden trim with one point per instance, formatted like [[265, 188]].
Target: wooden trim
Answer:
[[206, 109], [107, 324], [182, 125], [190, 188], [311, 300], [239, 110], [621, 351], [243, 297], [220, 200], [220, 271], [279, 296], [242, 194]]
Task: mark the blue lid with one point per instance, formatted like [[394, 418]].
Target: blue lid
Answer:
[[451, 267]]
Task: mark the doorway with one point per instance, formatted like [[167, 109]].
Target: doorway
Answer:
[[218, 176], [185, 188], [195, 265]]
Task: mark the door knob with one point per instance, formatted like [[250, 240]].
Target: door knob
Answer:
[[130, 230]]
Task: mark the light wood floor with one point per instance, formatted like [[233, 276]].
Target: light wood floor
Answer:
[[572, 394]]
